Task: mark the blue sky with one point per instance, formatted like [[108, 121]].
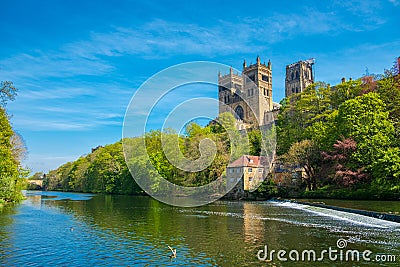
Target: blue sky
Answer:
[[78, 63]]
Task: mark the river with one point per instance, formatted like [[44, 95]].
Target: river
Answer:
[[71, 229]]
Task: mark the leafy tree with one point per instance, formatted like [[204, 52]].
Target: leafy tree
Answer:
[[11, 151], [389, 91], [302, 114], [305, 154], [346, 173], [9, 166], [365, 120], [7, 92], [386, 169]]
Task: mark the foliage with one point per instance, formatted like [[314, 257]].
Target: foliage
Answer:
[[305, 154], [354, 129], [11, 173], [7, 92], [339, 158], [105, 170]]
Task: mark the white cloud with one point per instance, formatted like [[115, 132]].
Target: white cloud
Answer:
[[50, 64], [46, 162], [160, 39]]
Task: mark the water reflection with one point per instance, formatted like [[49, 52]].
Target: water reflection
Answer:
[[6, 221], [135, 231]]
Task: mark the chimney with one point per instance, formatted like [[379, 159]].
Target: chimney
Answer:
[[343, 80]]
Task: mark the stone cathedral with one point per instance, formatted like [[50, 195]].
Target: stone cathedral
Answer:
[[248, 96], [299, 75]]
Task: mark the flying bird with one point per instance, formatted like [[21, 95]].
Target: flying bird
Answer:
[[173, 255]]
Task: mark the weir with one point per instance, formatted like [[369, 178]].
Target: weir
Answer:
[[377, 215]]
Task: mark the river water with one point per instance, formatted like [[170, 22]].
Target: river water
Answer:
[[70, 229]]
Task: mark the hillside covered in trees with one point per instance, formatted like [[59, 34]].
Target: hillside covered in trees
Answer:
[[345, 137], [105, 169], [12, 150]]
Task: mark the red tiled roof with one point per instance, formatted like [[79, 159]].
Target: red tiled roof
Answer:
[[248, 161]]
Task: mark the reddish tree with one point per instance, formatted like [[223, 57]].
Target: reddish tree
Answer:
[[339, 159]]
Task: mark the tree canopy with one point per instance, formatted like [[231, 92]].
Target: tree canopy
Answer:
[[351, 129], [11, 151]]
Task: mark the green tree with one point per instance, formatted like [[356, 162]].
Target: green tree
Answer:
[[12, 151], [7, 92], [9, 166], [365, 120], [305, 154]]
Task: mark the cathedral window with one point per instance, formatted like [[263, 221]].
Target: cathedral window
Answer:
[[239, 113], [265, 78]]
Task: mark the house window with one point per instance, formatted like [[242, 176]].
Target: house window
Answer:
[[260, 170], [250, 179], [250, 169], [238, 170], [231, 170]]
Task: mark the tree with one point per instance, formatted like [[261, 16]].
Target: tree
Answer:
[[301, 114], [346, 173], [18, 147], [389, 92], [305, 154], [386, 169], [365, 120], [9, 165], [7, 92]]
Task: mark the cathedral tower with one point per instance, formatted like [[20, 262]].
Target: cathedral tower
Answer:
[[249, 95], [299, 75]]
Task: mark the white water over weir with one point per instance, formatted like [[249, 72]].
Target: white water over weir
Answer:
[[370, 218]]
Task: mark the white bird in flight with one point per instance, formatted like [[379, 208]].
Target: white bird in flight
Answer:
[[173, 255]]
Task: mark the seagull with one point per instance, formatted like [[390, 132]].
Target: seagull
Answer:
[[173, 255]]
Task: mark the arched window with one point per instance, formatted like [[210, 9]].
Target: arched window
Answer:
[[239, 113], [292, 75], [297, 74]]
